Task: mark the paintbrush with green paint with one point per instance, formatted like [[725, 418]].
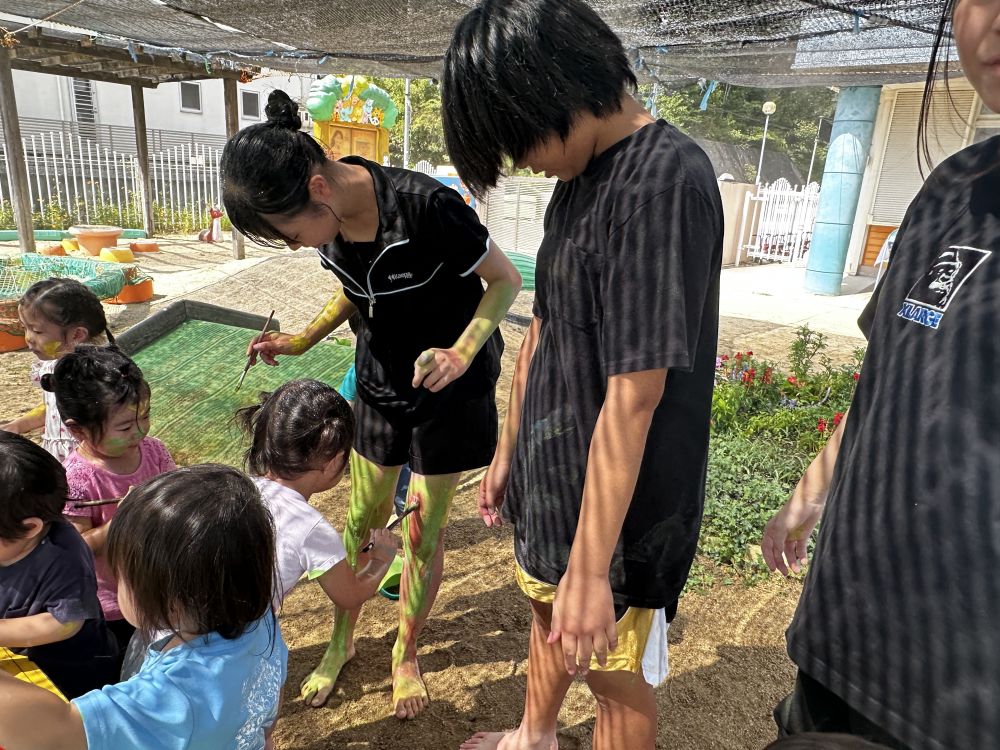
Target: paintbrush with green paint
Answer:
[[399, 519], [249, 363]]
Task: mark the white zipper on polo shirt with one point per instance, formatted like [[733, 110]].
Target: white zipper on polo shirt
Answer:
[[371, 292]]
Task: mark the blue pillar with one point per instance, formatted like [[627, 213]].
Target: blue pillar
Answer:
[[850, 141]]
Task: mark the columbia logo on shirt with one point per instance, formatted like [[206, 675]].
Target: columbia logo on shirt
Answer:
[[929, 299]]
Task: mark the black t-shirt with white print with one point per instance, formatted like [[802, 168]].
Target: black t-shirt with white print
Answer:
[[415, 288], [627, 280], [900, 615]]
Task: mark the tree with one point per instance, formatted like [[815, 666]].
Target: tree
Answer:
[[734, 116], [426, 132]]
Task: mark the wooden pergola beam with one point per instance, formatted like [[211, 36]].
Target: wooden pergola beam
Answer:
[[19, 63], [15, 157], [175, 63], [230, 97], [142, 156]]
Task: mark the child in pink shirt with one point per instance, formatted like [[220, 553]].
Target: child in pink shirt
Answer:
[[104, 402]]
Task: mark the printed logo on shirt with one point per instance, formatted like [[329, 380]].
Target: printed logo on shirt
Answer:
[[930, 297], [398, 276]]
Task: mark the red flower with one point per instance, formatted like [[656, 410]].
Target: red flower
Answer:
[[821, 426], [838, 418], [767, 374], [739, 355], [856, 376], [792, 381], [749, 354], [749, 375], [724, 357]]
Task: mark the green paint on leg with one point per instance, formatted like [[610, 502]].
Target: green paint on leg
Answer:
[[423, 556], [372, 490]]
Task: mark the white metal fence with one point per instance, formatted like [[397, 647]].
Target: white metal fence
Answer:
[[80, 180], [777, 222], [514, 212]]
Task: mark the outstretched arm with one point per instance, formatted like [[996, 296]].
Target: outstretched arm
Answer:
[[331, 317], [34, 719], [33, 420]]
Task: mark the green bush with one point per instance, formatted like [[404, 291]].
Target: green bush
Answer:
[[55, 215], [767, 425]]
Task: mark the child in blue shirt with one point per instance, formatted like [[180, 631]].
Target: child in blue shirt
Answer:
[[193, 552]]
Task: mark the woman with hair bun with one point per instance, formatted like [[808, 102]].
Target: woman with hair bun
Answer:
[[412, 259]]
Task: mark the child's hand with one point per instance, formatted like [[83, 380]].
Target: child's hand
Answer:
[[386, 545]]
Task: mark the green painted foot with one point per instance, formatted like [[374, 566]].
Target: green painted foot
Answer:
[[316, 688]]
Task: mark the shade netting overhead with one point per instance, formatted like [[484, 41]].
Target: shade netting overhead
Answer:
[[748, 42]]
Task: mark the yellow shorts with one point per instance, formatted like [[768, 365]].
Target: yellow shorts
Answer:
[[642, 635]]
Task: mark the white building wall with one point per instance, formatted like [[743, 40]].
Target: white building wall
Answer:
[[43, 96], [951, 131], [40, 95]]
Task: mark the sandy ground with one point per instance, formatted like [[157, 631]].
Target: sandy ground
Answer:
[[728, 666]]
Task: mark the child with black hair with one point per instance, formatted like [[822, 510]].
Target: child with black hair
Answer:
[[193, 552], [301, 438], [48, 594], [104, 401], [58, 315], [601, 462]]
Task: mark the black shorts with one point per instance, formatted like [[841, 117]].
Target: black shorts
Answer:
[[812, 708], [459, 436]]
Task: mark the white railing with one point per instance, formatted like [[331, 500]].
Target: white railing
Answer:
[[778, 222], [91, 183], [514, 212]]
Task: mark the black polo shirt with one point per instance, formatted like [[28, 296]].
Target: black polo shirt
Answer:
[[627, 280], [415, 288], [900, 615]]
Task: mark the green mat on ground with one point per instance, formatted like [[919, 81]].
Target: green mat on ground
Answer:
[[192, 372]]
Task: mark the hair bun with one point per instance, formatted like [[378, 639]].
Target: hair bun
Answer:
[[46, 382], [282, 112]]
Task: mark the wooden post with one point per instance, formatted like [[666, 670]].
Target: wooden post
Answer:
[[142, 154], [232, 126], [15, 157]]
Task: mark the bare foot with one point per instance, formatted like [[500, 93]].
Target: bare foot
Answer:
[[505, 741], [409, 694], [316, 688]]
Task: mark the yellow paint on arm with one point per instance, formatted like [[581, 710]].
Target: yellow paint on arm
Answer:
[[333, 315], [503, 282], [33, 420], [36, 630]]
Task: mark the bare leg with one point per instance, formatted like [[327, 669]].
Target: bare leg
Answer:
[[372, 490], [626, 711], [548, 682], [423, 555]]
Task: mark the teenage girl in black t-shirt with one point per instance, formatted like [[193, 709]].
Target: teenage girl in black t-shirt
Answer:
[[411, 257]]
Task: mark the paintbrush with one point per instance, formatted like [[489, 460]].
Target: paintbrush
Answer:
[[399, 519], [249, 363], [92, 503]]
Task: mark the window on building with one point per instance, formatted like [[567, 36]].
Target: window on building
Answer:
[[251, 105], [190, 97]]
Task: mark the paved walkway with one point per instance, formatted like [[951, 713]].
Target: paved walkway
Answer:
[[761, 307]]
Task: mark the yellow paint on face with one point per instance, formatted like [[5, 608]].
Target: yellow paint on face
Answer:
[[51, 349]]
